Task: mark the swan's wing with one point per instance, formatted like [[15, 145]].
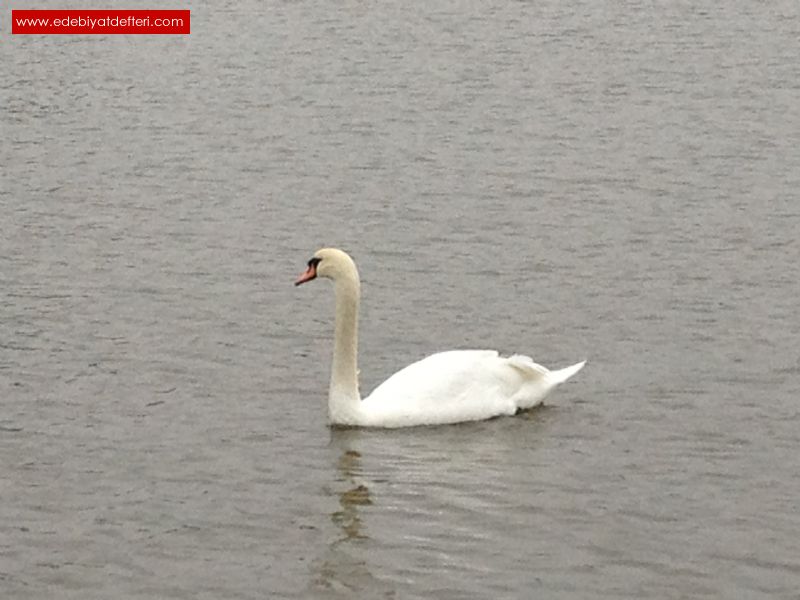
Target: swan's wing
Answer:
[[460, 385], [435, 374]]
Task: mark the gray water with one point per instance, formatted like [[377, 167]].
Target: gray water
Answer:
[[615, 181]]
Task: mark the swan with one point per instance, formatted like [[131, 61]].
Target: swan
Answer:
[[448, 387]]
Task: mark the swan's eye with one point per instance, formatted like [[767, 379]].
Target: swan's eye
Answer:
[[314, 262]]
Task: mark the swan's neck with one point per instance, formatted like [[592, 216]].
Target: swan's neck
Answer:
[[344, 401]]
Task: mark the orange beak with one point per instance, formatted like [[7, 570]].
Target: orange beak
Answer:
[[309, 274]]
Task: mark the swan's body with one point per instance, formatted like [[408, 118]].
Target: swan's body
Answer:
[[448, 387]]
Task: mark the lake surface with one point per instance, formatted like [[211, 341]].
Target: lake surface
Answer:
[[569, 180]]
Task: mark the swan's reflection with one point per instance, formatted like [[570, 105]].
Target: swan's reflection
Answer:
[[348, 519], [343, 569]]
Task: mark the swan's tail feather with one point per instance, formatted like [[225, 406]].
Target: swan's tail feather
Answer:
[[562, 375]]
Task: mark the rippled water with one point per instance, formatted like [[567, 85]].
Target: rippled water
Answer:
[[611, 181]]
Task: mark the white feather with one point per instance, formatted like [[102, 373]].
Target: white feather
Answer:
[[460, 385]]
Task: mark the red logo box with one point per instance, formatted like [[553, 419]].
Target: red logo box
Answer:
[[104, 22]]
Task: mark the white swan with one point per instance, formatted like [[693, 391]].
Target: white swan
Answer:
[[448, 387]]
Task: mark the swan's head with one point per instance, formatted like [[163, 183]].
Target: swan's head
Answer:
[[331, 263]]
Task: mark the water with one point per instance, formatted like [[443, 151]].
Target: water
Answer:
[[611, 181]]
